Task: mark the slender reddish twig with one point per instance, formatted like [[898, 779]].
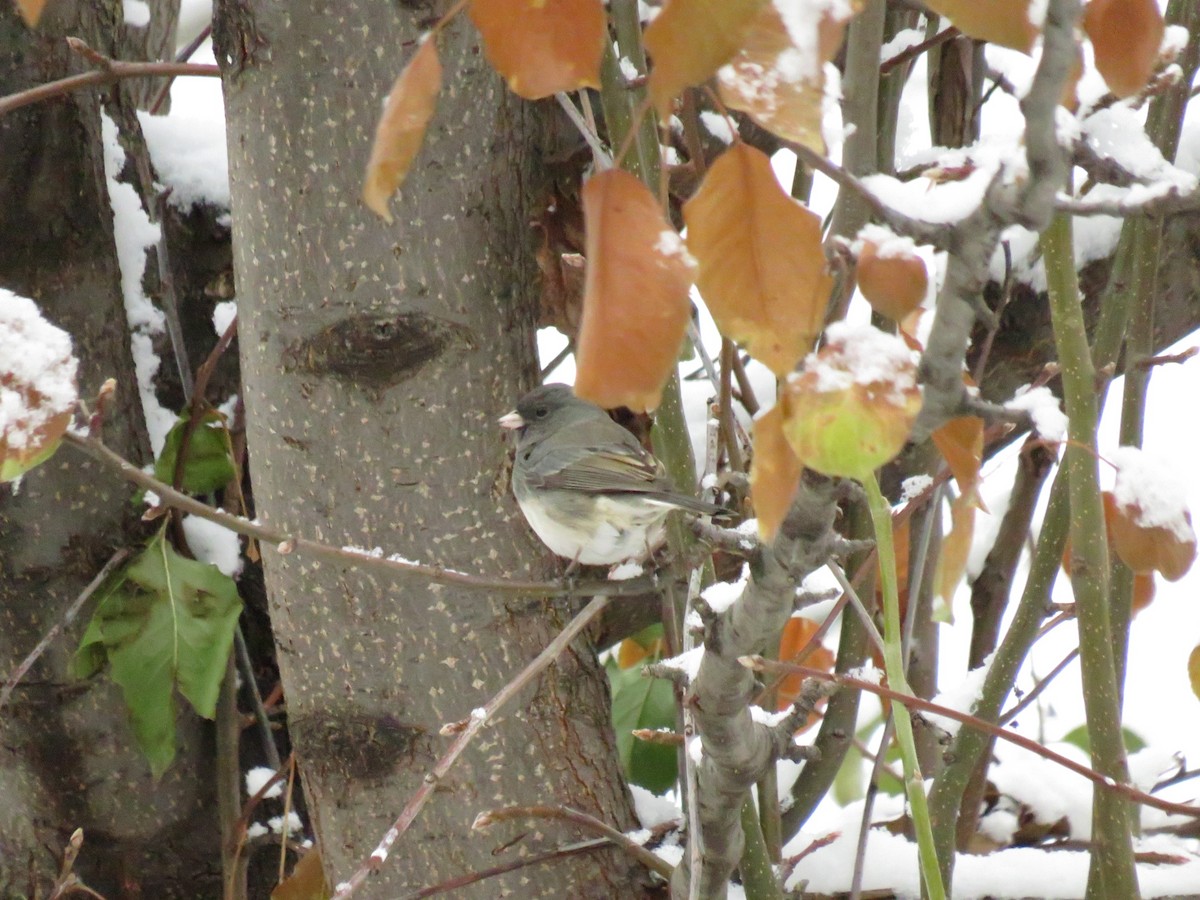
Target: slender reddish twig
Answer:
[[582, 819], [466, 731], [759, 664], [286, 543], [110, 75], [461, 881], [67, 618]]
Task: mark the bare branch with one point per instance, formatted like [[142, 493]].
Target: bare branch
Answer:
[[286, 543], [67, 618], [562, 813], [759, 664], [465, 731]]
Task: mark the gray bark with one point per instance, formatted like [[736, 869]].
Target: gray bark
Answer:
[[376, 360], [69, 759]]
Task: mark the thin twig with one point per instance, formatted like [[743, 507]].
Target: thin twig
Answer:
[[911, 53], [461, 881], [1009, 714], [116, 72], [286, 543], [600, 155], [864, 828], [856, 602], [760, 664], [246, 668], [181, 57], [67, 618], [591, 823], [466, 731]]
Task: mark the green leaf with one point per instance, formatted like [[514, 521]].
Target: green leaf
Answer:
[[1080, 738], [641, 702], [209, 464], [166, 622]]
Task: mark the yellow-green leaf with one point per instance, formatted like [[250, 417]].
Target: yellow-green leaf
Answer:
[[852, 406]]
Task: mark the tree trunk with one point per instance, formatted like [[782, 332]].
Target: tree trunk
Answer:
[[376, 360], [69, 759]]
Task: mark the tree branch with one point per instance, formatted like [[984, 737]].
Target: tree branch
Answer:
[[466, 731], [285, 543]]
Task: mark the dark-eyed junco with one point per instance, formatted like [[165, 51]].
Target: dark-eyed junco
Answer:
[[589, 490]]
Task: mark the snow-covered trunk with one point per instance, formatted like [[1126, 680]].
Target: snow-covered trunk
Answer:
[[69, 760], [376, 360]]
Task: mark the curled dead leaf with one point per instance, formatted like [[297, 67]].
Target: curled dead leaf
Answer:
[[401, 129], [774, 473]]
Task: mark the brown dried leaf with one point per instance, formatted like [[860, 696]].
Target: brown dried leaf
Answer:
[[401, 129], [774, 472], [960, 441], [895, 284], [956, 547], [635, 303], [307, 881], [1004, 22], [690, 40], [1147, 548], [1193, 667], [762, 269], [796, 634], [779, 85], [31, 11], [542, 48], [1126, 36]]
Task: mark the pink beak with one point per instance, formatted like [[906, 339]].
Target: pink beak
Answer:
[[512, 421]]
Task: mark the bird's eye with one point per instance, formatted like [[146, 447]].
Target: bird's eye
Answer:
[[541, 412]]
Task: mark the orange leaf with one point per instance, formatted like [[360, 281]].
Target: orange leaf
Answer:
[[401, 129], [779, 81], [1143, 591], [633, 650], [774, 472], [762, 270], [540, 47], [1146, 548], [307, 881], [960, 441], [690, 40], [890, 274], [31, 11], [956, 547], [1004, 22], [635, 299], [1126, 36], [1193, 667], [796, 635]]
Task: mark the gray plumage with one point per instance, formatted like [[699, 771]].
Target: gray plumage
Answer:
[[589, 490]]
